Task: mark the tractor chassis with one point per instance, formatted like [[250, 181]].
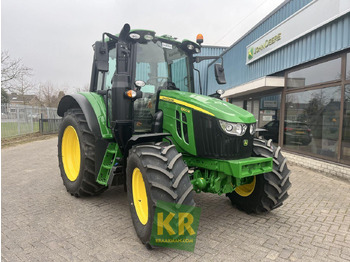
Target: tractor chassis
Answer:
[[223, 176]]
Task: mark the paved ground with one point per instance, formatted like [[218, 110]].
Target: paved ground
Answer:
[[42, 222]]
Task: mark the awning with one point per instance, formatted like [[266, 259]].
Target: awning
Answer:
[[260, 85]]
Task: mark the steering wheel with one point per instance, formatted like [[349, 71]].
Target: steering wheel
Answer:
[[159, 80]]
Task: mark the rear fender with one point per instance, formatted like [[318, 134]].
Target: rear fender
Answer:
[[75, 101], [94, 109]]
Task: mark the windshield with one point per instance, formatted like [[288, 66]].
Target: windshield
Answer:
[[160, 62]]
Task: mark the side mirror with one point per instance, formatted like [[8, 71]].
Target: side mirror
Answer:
[[101, 56], [219, 74]]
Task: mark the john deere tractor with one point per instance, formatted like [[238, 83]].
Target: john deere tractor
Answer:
[[142, 126]]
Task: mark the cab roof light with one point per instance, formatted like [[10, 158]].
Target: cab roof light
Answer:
[[199, 39]]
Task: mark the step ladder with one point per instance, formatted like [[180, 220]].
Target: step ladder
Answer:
[[108, 162]]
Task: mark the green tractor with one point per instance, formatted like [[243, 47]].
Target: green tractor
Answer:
[[142, 126]]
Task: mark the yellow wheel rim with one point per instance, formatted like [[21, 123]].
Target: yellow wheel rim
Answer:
[[246, 190], [71, 153], [140, 196]]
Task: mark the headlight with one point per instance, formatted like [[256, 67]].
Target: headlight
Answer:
[[252, 128], [237, 129], [148, 37], [134, 36], [190, 47]]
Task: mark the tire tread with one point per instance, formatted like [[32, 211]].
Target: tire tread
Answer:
[[88, 186], [275, 184]]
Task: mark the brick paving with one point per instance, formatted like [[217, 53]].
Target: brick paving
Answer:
[[42, 222]]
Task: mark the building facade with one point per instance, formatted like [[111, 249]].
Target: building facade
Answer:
[[292, 71]]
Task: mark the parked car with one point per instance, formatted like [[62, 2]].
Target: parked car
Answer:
[[294, 132]]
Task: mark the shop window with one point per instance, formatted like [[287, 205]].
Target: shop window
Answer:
[[238, 103], [346, 126], [312, 121], [272, 130], [320, 73], [269, 116], [348, 66], [253, 107]]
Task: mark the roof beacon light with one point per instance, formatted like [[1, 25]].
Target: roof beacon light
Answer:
[[199, 39]]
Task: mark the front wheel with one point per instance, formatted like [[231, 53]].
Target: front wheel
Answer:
[[76, 155], [155, 173], [267, 191]]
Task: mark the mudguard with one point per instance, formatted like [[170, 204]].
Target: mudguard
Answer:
[[78, 100]]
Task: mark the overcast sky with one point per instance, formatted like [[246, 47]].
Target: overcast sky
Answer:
[[55, 37]]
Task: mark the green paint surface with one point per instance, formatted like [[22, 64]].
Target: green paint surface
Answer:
[[220, 109], [98, 104], [239, 168], [170, 122], [223, 176]]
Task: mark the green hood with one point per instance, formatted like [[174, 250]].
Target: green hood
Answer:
[[209, 105]]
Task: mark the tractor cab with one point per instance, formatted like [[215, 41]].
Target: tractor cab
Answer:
[[142, 63], [158, 65]]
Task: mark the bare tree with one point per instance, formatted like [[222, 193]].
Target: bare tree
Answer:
[[84, 88], [347, 93], [12, 70], [22, 86], [16, 77], [48, 95]]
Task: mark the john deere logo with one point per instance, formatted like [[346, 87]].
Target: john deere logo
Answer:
[[261, 45], [250, 53], [245, 142]]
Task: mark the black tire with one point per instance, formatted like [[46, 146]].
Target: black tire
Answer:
[[306, 141], [85, 184], [165, 177], [271, 188]]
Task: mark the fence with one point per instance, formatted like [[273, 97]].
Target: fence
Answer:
[[23, 119], [49, 126]]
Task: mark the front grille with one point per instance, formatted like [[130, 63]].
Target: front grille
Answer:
[[213, 142]]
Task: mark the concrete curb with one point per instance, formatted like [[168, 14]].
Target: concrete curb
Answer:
[[322, 166]]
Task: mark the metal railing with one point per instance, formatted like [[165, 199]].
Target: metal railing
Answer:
[[49, 126], [19, 120]]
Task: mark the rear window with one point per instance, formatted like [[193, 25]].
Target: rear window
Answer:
[[296, 125]]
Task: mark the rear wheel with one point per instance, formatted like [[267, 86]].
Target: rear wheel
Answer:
[[306, 141], [267, 191], [155, 173], [76, 155]]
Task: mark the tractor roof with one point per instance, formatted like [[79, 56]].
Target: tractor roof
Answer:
[[141, 33]]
